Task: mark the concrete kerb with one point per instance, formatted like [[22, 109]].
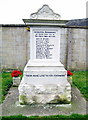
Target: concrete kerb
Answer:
[[11, 106]]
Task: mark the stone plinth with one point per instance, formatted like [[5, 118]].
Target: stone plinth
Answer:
[[44, 85], [45, 78]]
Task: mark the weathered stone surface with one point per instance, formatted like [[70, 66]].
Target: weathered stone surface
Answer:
[[49, 93]]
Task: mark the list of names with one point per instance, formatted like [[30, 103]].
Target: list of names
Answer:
[[44, 43]]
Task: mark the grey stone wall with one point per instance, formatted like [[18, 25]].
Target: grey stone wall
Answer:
[[76, 59], [15, 47], [15, 44]]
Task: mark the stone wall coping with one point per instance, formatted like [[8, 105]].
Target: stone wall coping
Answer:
[[13, 25], [24, 25]]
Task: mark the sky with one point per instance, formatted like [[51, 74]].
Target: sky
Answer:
[[13, 11]]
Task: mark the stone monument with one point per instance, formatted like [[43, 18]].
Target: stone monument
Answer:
[[44, 77]]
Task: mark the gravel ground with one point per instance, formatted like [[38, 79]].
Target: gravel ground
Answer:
[[11, 106]]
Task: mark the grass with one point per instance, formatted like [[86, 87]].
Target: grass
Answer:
[[5, 84], [80, 80], [54, 117]]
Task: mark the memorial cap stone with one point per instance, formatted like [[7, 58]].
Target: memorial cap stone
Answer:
[[45, 16], [45, 13]]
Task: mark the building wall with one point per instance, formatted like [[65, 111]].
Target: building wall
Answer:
[[15, 45]]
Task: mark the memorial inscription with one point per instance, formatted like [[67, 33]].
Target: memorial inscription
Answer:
[[45, 43], [45, 75]]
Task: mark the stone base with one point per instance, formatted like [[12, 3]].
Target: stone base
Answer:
[[44, 85]]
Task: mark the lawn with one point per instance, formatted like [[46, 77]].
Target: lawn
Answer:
[[54, 117], [80, 80], [5, 84]]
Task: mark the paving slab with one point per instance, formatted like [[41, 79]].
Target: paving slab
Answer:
[[11, 106]]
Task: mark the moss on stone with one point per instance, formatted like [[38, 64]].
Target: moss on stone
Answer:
[[63, 99], [23, 100]]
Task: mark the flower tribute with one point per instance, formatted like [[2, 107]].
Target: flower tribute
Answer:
[[16, 73], [69, 73]]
